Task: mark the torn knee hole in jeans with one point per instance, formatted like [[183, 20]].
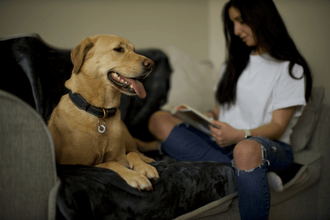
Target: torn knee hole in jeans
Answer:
[[263, 151]]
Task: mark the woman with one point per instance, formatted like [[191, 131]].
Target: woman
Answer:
[[264, 84]]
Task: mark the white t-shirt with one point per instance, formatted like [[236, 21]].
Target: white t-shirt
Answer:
[[265, 86]]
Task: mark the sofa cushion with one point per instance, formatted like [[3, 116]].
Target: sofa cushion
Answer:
[[303, 130], [210, 209], [311, 162], [192, 82]]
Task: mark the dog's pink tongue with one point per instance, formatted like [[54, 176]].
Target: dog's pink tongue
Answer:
[[139, 88]]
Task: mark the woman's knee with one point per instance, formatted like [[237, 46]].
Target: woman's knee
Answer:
[[157, 118], [161, 123], [247, 154]]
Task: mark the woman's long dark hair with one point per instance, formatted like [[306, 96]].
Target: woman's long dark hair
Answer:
[[270, 34]]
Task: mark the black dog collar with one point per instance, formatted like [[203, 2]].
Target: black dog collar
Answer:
[[81, 103]]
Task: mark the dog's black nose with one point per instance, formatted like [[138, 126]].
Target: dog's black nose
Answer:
[[148, 63]]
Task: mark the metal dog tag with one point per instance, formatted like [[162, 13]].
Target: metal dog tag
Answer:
[[102, 129]]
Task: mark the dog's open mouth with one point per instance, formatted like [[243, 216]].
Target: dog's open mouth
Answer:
[[128, 85]]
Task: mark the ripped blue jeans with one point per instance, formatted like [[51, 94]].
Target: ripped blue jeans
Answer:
[[188, 143]]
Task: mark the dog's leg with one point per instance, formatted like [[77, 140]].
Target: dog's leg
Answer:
[[136, 163], [134, 179], [146, 146], [131, 144], [132, 147]]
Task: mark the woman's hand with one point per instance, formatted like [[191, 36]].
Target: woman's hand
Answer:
[[209, 115], [225, 135]]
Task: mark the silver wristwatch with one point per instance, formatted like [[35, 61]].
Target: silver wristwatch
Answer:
[[247, 133]]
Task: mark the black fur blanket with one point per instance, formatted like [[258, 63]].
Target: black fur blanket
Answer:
[[96, 193]]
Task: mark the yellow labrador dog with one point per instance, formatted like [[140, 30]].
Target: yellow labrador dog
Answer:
[[86, 124]]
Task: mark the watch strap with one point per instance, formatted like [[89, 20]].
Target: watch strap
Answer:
[[247, 133]]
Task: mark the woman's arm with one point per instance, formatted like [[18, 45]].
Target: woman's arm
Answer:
[[225, 135], [275, 129]]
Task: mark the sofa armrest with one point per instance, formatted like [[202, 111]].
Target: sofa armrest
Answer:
[[320, 142], [27, 161], [321, 136]]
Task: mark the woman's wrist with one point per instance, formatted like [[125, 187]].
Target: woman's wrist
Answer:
[[243, 134], [247, 133], [240, 135]]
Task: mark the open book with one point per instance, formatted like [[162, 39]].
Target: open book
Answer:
[[193, 118]]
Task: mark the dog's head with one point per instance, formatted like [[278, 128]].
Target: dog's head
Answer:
[[112, 59]]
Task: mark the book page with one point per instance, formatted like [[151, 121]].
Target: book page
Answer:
[[195, 119]]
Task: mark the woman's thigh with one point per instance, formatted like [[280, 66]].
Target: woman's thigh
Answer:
[[187, 143]]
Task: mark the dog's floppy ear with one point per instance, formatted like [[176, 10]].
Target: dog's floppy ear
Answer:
[[79, 52]]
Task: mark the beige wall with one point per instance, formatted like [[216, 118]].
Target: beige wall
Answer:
[[192, 25], [146, 23], [308, 25]]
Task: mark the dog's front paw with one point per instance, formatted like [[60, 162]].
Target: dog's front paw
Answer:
[[133, 178], [137, 164], [146, 170], [146, 159], [137, 180]]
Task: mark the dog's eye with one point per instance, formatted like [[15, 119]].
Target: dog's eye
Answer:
[[119, 49]]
